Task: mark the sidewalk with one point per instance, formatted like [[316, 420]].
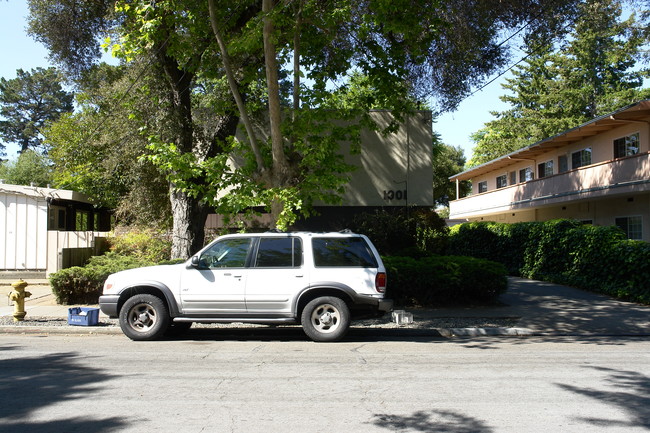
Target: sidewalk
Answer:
[[538, 308]]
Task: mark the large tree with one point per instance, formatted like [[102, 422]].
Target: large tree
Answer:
[[561, 86], [447, 161], [98, 149], [230, 66], [27, 103], [30, 168]]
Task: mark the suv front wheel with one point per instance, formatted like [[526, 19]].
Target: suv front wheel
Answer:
[[326, 319], [144, 317]]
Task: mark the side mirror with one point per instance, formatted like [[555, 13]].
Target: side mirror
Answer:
[[195, 262]]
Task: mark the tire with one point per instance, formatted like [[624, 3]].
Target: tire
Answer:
[[144, 317], [326, 319]]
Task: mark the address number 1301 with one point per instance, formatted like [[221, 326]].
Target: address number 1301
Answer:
[[394, 195]]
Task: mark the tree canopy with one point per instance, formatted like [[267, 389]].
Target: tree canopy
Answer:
[[30, 168], [559, 87], [27, 103], [276, 64]]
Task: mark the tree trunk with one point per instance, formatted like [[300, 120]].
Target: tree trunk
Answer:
[[188, 230]]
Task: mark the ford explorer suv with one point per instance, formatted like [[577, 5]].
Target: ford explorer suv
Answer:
[[321, 281]]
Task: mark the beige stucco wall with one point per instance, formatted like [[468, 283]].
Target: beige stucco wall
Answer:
[[392, 169], [601, 212]]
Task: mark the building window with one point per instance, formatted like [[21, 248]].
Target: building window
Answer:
[[525, 174], [482, 186], [502, 181], [581, 158], [545, 169], [513, 177], [632, 226], [562, 163], [82, 222], [626, 146], [56, 218]]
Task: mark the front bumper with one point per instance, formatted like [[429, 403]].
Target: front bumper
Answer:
[[108, 304]]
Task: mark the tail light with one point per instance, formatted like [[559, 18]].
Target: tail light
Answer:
[[380, 282]]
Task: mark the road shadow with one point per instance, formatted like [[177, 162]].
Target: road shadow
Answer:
[[553, 308], [413, 335], [29, 384], [627, 391], [431, 421], [295, 333]]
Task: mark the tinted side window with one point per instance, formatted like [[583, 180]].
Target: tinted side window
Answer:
[[227, 253], [342, 252], [279, 253]]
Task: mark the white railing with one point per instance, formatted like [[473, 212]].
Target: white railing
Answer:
[[618, 176]]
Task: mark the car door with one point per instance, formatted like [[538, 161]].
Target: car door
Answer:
[[217, 284], [276, 275]]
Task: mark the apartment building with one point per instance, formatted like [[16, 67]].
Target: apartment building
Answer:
[[598, 172]]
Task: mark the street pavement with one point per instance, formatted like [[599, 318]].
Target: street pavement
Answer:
[[539, 309]]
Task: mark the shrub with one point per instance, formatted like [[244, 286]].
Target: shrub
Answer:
[[504, 243], [568, 252], [83, 285], [439, 280], [396, 231], [144, 244]]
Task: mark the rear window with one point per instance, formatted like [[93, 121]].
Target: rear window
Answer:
[[343, 252]]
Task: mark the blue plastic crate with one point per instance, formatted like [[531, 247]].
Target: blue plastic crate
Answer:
[[83, 316]]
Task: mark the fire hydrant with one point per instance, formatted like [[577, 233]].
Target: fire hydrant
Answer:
[[18, 296]]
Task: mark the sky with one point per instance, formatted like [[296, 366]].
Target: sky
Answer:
[[20, 51]]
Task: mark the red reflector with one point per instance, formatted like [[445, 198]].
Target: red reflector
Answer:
[[380, 282]]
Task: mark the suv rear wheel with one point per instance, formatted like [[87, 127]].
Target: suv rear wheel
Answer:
[[326, 319], [144, 317]]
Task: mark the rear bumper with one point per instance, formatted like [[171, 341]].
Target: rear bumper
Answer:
[[385, 305], [369, 307]]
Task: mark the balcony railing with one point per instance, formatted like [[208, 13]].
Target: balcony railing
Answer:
[[620, 176]]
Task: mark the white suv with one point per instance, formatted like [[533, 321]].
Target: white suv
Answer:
[[320, 280]]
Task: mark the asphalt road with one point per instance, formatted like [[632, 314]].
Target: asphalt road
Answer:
[[242, 383]]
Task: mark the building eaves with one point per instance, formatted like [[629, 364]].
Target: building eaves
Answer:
[[632, 113], [38, 192]]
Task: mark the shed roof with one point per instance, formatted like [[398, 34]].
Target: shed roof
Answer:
[[36, 192]]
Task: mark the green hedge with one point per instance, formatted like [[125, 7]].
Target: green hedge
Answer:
[[568, 252], [402, 231], [440, 280], [83, 285]]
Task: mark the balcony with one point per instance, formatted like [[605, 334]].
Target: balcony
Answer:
[[605, 179]]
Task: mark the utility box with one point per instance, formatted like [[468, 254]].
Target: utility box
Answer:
[[83, 316]]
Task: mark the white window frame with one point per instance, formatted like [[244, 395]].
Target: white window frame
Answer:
[[502, 181], [583, 160], [529, 174], [627, 144], [627, 232], [550, 163]]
